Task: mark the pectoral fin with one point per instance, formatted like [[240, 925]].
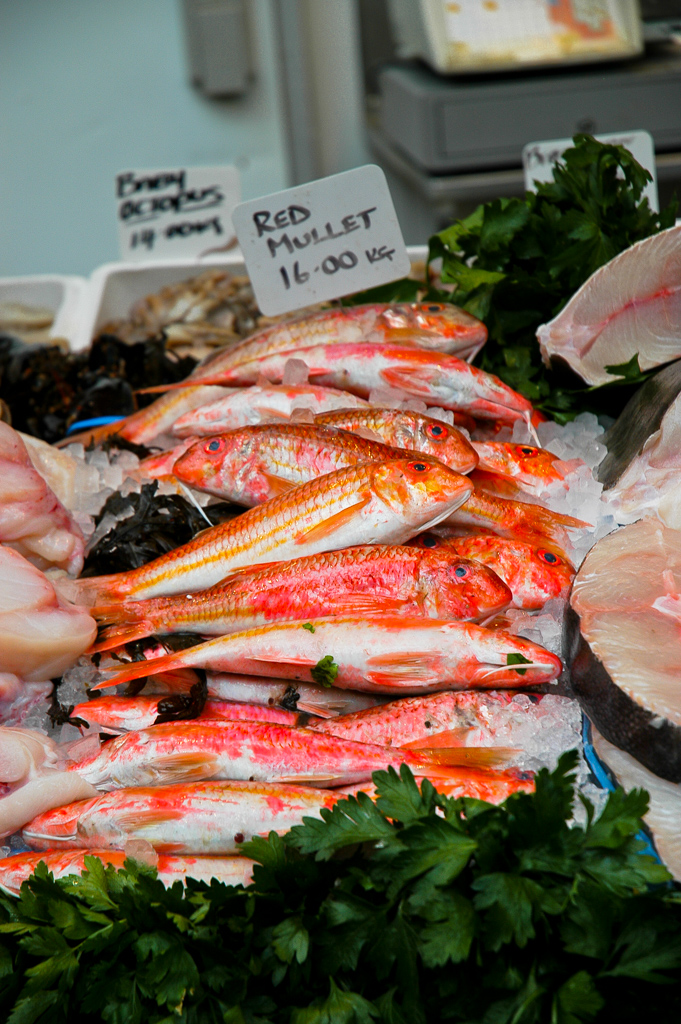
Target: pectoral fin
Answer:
[[333, 523], [412, 379], [277, 484], [188, 767], [402, 665]]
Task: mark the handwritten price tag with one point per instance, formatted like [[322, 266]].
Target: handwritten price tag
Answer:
[[539, 158], [321, 240], [176, 213]]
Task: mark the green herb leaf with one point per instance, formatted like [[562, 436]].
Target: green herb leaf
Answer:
[[308, 626], [325, 671], [518, 659]]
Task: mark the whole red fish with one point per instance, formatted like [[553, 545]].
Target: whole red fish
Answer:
[[257, 751], [371, 503], [534, 574], [370, 579], [438, 379], [386, 654], [531, 469], [123, 714], [407, 429]]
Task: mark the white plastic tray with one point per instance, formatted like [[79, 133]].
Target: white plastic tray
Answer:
[[64, 295]]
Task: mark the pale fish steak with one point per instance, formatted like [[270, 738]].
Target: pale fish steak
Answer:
[[196, 818], [387, 654], [368, 504], [629, 307], [371, 579]]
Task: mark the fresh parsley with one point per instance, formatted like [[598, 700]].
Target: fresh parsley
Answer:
[[518, 659], [413, 908], [308, 626], [325, 671]]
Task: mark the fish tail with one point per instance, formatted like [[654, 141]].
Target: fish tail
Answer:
[[101, 590], [139, 669], [120, 624]]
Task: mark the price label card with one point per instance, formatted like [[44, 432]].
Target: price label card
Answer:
[[321, 240], [176, 213], [539, 158]]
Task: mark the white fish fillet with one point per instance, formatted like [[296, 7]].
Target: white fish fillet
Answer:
[[630, 306], [651, 482]]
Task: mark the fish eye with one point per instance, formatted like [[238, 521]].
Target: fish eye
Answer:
[[429, 541], [435, 431], [526, 450], [548, 557], [215, 445], [419, 467], [462, 571], [435, 307]]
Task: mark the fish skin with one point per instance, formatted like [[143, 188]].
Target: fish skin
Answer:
[[253, 464], [146, 424], [474, 783], [407, 429], [445, 328], [439, 379], [255, 751], [532, 469], [403, 580], [125, 714], [200, 818], [527, 569], [630, 306], [516, 520], [371, 503], [243, 407], [18, 868], [470, 713], [386, 654]]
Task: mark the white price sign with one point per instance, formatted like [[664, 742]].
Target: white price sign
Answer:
[[321, 240], [177, 212], [539, 158]]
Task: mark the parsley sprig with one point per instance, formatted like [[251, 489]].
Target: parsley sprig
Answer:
[[413, 908]]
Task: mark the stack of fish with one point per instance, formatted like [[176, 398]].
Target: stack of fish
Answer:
[[379, 552]]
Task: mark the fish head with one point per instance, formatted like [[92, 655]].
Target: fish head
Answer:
[[439, 321], [444, 442], [550, 574], [454, 587], [523, 462], [202, 463], [420, 490], [60, 823]]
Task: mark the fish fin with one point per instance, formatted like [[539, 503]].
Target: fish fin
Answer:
[[448, 738], [70, 840], [414, 380], [277, 484], [283, 659], [98, 590], [333, 523], [464, 757], [138, 669], [311, 708], [402, 665], [187, 767], [311, 780], [116, 636], [130, 821]]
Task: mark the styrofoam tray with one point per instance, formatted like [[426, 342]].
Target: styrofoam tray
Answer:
[[63, 294], [114, 287]]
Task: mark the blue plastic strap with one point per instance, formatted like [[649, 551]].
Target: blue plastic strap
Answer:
[[98, 421]]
